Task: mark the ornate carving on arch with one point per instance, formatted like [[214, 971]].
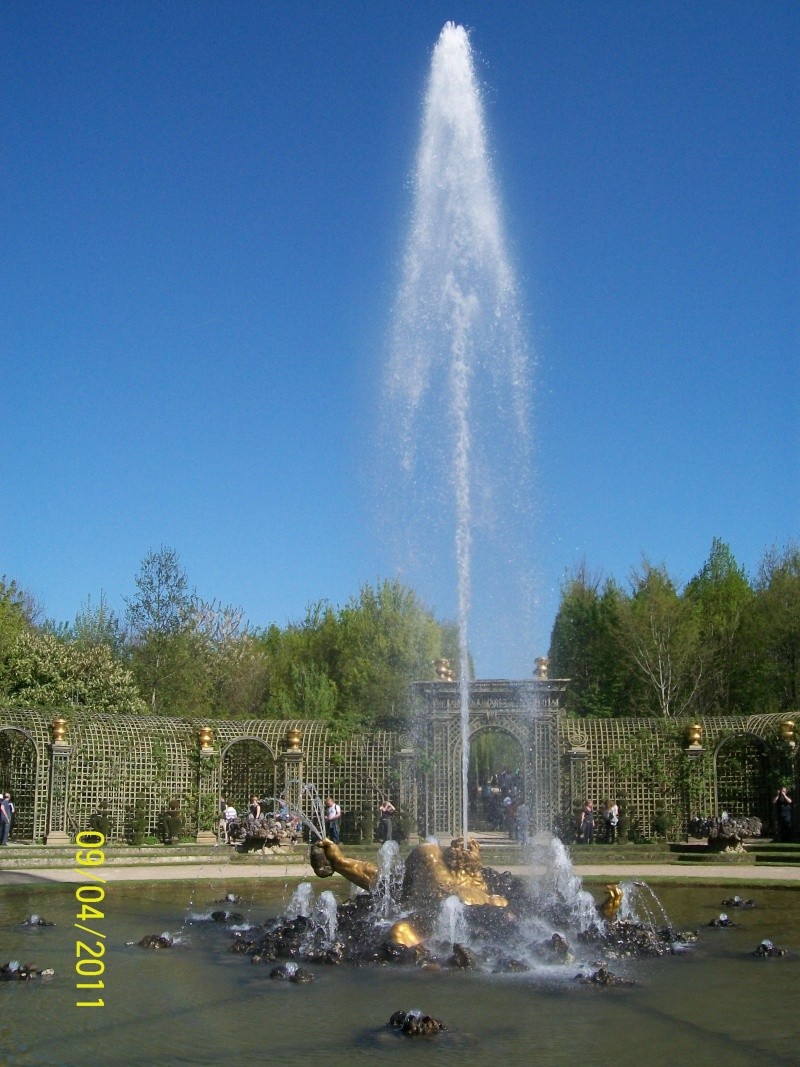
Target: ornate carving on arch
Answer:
[[513, 726]]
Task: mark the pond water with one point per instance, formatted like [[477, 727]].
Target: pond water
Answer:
[[199, 1004]]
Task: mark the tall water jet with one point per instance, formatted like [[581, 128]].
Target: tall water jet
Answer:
[[456, 334]]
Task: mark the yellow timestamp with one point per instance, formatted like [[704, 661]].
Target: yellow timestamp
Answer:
[[89, 963]]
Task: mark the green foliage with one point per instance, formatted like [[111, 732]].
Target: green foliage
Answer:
[[138, 822], [42, 671], [167, 648], [585, 645], [352, 667], [661, 633], [683, 780], [16, 616], [97, 625], [773, 633], [723, 598], [720, 646]]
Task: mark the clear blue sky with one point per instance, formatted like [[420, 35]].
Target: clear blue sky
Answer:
[[203, 212]]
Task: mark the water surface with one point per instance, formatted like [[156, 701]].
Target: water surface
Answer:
[[199, 1004]]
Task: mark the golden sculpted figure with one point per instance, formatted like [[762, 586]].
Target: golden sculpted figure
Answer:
[[432, 873], [611, 905]]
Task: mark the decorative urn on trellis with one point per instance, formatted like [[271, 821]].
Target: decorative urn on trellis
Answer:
[[205, 737], [444, 672], [694, 737], [59, 728], [292, 739], [786, 729]]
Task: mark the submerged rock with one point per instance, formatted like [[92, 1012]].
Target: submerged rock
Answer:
[[738, 902], [602, 976], [414, 1024], [767, 949], [290, 972], [155, 941], [463, 957], [14, 971], [507, 965], [227, 917], [625, 937]]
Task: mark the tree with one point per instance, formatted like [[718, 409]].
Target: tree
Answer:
[[773, 632], [352, 666], [661, 633], [585, 645], [17, 614], [723, 597], [235, 661], [97, 625], [43, 671], [388, 639], [166, 649]]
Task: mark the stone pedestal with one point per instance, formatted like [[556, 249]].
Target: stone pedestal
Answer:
[[292, 762], [207, 789], [57, 834]]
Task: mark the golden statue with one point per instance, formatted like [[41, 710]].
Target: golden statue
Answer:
[[432, 874], [611, 905]]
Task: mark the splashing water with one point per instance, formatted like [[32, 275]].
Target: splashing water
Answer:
[[451, 922], [389, 881], [557, 890], [641, 903], [302, 902], [456, 323], [325, 917]]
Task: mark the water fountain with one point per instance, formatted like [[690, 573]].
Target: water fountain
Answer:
[[443, 911], [456, 334]]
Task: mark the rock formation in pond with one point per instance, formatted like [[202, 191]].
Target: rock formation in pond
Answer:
[[415, 1024], [156, 941], [14, 971]]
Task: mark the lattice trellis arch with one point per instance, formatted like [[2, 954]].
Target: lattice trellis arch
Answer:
[[112, 762], [622, 758]]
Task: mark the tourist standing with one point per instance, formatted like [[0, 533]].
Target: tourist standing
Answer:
[[385, 813], [587, 823], [6, 817], [255, 808], [783, 811], [611, 818], [230, 815], [333, 819]]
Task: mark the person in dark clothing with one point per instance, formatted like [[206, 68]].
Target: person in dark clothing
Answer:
[[587, 823], [783, 810], [385, 812], [6, 817]]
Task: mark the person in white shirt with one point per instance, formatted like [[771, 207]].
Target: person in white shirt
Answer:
[[333, 818]]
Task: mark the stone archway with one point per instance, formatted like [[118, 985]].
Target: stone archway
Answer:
[[526, 712], [741, 777], [19, 776], [248, 769]]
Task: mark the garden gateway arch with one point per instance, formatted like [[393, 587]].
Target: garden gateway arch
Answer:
[[527, 711]]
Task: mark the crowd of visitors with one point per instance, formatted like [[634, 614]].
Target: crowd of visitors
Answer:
[[500, 804]]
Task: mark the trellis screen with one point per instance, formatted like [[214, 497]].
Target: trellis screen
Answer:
[[118, 765]]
